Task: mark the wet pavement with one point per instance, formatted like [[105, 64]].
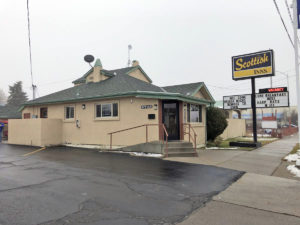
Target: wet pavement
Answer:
[[62, 185]]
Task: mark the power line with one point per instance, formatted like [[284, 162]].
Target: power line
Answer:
[[283, 23]]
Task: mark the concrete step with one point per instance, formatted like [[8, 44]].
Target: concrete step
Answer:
[[180, 149], [180, 144], [182, 154]]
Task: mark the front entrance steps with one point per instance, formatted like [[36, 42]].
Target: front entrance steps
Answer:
[[180, 149], [175, 148]]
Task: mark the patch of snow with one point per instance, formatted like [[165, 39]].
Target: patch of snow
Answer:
[[92, 146], [259, 139], [210, 148], [294, 170], [293, 157], [146, 154]]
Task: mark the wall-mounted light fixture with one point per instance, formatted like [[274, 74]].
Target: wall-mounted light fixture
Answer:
[[155, 106], [83, 106]]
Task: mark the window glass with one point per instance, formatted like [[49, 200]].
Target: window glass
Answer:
[[106, 110], [44, 112], [194, 113], [69, 112], [98, 110], [115, 109]]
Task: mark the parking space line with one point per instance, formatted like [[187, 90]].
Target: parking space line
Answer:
[[38, 150]]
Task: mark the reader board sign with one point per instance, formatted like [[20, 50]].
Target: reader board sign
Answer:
[[272, 100], [237, 102], [263, 100], [258, 64]]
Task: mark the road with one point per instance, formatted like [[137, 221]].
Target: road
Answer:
[[62, 185]]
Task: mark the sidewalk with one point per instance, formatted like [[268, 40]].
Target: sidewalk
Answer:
[[263, 160], [257, 197]]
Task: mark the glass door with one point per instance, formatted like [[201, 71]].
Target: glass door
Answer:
[[171, 118]]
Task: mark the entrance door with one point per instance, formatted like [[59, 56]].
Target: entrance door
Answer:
[[170, 114]]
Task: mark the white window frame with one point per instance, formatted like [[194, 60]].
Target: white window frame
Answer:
[[188, 109], [107, 117], [65, 113]]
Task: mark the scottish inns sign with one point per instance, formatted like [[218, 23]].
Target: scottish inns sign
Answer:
[[259, 64]]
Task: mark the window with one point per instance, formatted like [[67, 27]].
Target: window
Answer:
[[43, 112], [107, 110], [69, 112], [194, 113], [26, 115]]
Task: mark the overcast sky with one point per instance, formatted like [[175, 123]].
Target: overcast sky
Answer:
[[174, 41]]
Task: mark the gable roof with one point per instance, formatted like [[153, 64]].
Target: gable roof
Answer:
[[118, 84], [111, 73], [10, 112], [188, 89], [185, 89]]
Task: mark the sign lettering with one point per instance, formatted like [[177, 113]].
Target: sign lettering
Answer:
[[259, 64]]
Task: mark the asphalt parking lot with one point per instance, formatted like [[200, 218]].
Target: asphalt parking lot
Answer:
[[63, 185]]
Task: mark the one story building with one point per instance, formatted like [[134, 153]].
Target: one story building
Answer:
[[120, 107]]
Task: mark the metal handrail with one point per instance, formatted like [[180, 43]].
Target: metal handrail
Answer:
[[144, 125], [194, 139]]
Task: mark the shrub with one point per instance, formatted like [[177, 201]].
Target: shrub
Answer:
[[216, 122]]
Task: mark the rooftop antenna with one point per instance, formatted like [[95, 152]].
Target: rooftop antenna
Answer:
[[129, 61], [89, 59], [30, 58]]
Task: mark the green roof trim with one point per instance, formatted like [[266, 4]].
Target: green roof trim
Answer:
[[139, 94], [82, 80], [206, 89], [98, 63]]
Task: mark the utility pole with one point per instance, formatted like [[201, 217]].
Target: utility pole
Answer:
[[295, 20]]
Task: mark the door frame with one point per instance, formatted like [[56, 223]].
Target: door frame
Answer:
[[177, 118]]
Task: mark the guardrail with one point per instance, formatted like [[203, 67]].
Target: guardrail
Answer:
[[161, 126], [193, 137]]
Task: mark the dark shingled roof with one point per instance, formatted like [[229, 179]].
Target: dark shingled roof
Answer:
[[118, 84], [184, 89], [10, 112], [109, 73]]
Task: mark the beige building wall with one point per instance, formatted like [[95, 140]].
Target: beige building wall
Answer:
[[35, 132], [95, 131], [235, 128], [139, 75], [199, 128]]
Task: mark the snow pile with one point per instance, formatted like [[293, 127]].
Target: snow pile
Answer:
[[83, 146], [211, 148], [146, 154], [293, 157], [105, 147], [294, 170], [259, 139]]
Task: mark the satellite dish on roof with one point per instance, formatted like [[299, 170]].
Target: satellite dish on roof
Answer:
[[89, 59]]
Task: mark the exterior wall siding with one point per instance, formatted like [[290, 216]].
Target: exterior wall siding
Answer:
[[95, 131], [235, 128]]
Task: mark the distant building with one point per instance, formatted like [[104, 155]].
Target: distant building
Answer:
[[8, 112]]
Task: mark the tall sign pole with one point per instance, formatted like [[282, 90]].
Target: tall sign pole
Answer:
[[252, 66], [253, 104], [295, 11]]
